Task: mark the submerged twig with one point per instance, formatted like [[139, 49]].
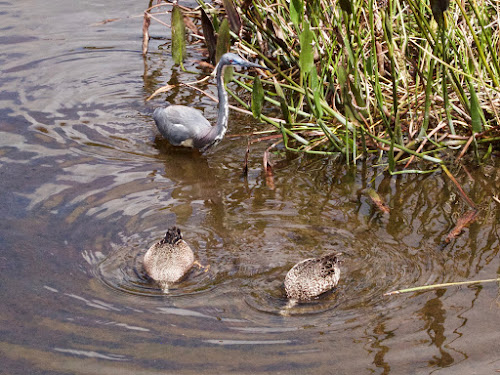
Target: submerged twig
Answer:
[[377, 201], [462, 223]]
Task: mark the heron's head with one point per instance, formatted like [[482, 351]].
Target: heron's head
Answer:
[[233, 59]]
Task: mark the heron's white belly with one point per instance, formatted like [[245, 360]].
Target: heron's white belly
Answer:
[[187, 142]]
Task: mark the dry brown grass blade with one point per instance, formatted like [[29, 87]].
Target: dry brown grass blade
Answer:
[[188, 84], [191, 26], [420, 148], [466, 147], [162, 89], [145, 33], [443, 285], [462, 223], [104, 22], [460, 190], [205, 65], [380, 58], [266, 138]]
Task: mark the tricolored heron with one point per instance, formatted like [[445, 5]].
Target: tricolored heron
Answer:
[[186, 126]]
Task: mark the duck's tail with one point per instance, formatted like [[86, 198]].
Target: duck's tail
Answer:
[[172, 236]]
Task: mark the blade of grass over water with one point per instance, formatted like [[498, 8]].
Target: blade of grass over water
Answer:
[[232, 16], [257, 97], [209, 34], [178, 35], [223, 40], [437, 286]]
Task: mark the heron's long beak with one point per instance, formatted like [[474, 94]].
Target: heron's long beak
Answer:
[[253, 65]]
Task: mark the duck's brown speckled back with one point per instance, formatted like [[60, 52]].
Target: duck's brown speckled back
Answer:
[[312, 277], [168, 260]]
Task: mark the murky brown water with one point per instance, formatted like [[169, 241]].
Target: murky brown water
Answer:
[[86, 187]]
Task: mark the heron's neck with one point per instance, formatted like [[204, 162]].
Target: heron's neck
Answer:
[[219, 130]]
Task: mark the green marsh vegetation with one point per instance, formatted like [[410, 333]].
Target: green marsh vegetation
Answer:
[[403, 80], [400, 81]]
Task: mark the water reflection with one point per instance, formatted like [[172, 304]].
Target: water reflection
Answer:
[[86, 187]]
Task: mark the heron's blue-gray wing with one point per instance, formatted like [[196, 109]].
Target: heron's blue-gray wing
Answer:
[[181, 125]]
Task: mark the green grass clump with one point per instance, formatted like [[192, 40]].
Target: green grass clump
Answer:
[[404, 80]]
